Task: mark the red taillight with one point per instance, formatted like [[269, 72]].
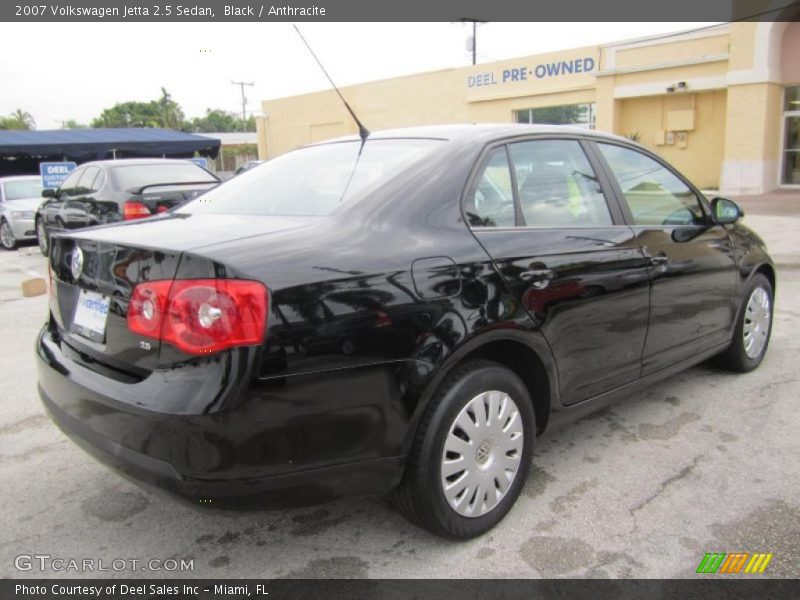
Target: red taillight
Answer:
[[133, 209], [200, 316], [147, 307]]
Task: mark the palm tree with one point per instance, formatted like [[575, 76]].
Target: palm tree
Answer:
[[171, 114], [22, 119]]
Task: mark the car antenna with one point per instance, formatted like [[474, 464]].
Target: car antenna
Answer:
[[362, 131]]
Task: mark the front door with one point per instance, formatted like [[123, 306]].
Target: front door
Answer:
[[693, 277], [560, 243]]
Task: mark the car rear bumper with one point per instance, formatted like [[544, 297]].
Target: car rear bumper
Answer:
[[228, 458]]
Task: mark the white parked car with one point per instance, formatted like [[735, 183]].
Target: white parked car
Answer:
[[20, 196]]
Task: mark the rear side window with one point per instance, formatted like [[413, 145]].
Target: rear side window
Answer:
[[132, 177], [654, 194], [557, 186], [492, 202]]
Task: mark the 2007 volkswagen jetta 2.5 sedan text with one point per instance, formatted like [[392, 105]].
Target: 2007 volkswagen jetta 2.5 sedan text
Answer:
[[402, 314]]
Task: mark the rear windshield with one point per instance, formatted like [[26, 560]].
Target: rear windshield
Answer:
[[23, 188], [312, 181], [135, 176]]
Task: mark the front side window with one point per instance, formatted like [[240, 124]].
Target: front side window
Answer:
[[654, 194], [557, 186], [69, 185], [87, 179]]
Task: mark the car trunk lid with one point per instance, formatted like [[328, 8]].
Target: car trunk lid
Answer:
[[92, 283], [94, 272]]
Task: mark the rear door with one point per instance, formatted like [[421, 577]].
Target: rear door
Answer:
[[693, 272], [542, 210]]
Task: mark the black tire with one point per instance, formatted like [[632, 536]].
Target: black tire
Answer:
[[43, 241], [7, 239], [736, 357], [420, 497]]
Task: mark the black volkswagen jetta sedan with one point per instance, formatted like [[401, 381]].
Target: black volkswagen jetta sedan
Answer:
[[405, 314]]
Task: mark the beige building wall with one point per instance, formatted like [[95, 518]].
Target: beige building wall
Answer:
[[707, 101], [698, 153]]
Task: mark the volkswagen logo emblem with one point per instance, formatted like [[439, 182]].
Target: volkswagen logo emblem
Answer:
[[484, 452], [76, 262]]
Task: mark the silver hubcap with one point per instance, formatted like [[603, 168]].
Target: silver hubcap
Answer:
[[482, 454], [757, 317], [6, 235]]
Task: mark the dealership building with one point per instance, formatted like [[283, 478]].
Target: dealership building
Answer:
[[722, 104]]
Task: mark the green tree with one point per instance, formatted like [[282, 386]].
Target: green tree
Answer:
[[171, 113], [19, 119], [129, 114], [73, 124], [163, 112], [218, 120]]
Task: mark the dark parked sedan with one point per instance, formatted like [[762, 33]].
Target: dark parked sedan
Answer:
[[107, 191], [406, 315]]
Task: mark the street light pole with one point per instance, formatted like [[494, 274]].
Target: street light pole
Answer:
[[241, 84]]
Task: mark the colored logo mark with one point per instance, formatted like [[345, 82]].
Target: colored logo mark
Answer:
[[736, 562]]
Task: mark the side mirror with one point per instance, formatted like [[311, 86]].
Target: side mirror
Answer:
[[48, 193], [725, 212]]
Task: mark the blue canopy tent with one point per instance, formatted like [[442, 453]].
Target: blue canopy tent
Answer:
[[22, 151]]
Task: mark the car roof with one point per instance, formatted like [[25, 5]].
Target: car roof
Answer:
[[464, 132]]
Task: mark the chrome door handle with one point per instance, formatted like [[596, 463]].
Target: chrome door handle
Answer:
[[659, 260]]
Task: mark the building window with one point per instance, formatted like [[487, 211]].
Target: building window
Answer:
[[579, 115], [790, 173]]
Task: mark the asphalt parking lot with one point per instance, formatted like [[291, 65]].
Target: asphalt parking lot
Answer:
[[705, 461]]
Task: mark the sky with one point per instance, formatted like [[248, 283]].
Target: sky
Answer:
[[60, 71]]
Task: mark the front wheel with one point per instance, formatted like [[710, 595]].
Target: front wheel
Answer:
[[41, 236], [753, 327], [7, 238], [470, 458]]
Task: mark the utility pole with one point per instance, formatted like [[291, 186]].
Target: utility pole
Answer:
[[473, 40], [241, 84]]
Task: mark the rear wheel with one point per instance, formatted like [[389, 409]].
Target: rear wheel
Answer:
[[7, 238], [41, 236], [470, 458], [753, 327]]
